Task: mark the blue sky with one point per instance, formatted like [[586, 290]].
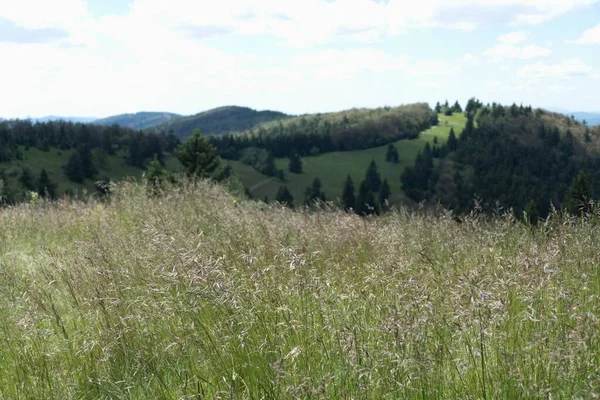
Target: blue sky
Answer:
[[105, 57]]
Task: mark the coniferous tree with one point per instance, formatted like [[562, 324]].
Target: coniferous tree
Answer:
[[284, 196], [313, 192], [456, 108], [438, 107], [198, 156], [156, 175], [579, 195], [452, 141], [74, 168], [348, 198], [372, 177], [392, 154], [27, 179], [46, 188], [295, 165], [87, 164], [365, 202], [384, 194]]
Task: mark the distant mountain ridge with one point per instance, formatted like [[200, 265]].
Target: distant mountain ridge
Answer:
[[592, 119], [51, 118], [139, 120], [221, 120]]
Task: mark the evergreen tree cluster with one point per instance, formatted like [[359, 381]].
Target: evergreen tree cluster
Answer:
[[373, 193], [512, 156]]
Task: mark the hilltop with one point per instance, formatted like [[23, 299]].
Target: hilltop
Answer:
[[221, 120], [509, 157], [139, 120]]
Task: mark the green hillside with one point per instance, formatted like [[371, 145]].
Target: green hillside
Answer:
[[112, 167], [140, 120], [221, 120], [332, 168]]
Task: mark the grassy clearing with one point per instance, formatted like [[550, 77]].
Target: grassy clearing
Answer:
[[192, 296], [332, 168], [113, 167]]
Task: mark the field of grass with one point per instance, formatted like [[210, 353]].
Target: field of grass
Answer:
[[192, 295], [333, 168]]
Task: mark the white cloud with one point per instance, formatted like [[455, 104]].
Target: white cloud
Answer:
[[513, 37], [562, 71], [590, 36], [502, 51]]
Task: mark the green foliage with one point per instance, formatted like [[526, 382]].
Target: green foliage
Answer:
[[391, 155], [46, 188], [373, 178], [27, 180], [531, 213], [295, 165], [366, 204], [314, 193], [452, 141], [156, 175], [348, 198], [579, 195], [198, 156], [284, 196], [384, 194]]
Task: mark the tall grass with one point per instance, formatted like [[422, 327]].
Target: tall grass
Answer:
[[190, 295]]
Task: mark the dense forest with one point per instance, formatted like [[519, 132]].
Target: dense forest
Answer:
[[323, 133], [511, 157]]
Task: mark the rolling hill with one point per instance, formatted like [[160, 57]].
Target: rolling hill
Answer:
[[592, 119], [139, 120], [221, 120], [332, 168]]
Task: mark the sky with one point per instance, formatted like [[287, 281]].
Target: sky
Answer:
[[103, 57]]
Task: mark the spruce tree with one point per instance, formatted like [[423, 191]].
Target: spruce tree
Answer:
[[284, 196], [26, 179], [348, 198], [452, 141], [198, 157], [314, 193], [392, 154], [372, 177], [365, 202], [295, 165], [74, 168]]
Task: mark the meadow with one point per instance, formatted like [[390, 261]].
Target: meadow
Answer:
[[198, 293], [333, 168]]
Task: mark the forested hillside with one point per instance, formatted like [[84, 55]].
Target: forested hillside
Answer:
[[322, 133], [220, 121], [140, 120], [511, 157]]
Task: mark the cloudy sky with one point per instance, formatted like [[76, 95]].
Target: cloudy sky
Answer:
[[104, 57]]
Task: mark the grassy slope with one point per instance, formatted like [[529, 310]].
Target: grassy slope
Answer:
[[332, 168], [114, 167], [191, 296]]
